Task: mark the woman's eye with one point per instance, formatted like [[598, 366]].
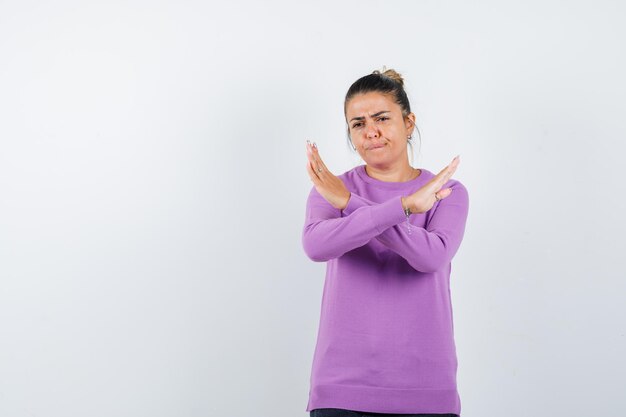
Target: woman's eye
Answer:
[[354, 126]]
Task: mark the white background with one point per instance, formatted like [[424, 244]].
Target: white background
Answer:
[[153, 186]]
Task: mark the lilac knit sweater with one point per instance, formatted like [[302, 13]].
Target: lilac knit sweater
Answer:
[[386, 335]]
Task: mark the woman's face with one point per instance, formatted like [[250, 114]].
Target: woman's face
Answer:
[[377, 128]]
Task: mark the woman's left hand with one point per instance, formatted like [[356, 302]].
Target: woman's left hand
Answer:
[[328, 185]]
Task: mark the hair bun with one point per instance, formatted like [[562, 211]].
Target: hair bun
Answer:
[[391, 73]]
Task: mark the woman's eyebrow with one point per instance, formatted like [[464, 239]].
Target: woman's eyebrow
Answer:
[[373, 115]]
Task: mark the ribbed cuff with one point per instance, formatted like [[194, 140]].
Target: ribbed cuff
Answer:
[[354, 203], [387, 214]]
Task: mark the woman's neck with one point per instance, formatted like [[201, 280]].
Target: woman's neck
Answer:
[[399, 174]]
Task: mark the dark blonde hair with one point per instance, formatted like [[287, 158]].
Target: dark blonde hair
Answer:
[[387, 81]]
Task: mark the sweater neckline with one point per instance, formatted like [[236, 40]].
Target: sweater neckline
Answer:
[[392, 185]]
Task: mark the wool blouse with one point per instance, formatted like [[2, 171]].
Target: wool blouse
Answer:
[[385, 341]]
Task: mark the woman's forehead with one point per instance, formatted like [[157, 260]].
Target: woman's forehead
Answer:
[[370, 103]]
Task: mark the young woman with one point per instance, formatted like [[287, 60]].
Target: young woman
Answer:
[[388, 233]]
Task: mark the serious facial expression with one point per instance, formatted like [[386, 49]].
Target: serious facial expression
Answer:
[[377, 128]]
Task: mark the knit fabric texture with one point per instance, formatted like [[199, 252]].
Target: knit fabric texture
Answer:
[[385, 342]]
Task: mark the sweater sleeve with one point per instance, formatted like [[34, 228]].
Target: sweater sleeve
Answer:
[[429, 248], [327, 235]]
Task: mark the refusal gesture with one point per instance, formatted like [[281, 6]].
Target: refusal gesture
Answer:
[[336, 193], [425, 198], [328, 185]]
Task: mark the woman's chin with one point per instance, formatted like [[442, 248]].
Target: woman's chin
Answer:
[[381, 163], [377, 156]]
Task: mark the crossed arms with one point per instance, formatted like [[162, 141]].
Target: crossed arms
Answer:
[[329, 233]]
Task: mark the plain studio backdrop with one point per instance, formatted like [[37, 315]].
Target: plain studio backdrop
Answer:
[[153, 188]]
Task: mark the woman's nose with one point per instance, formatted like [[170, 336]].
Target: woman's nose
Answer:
[[372, 132]]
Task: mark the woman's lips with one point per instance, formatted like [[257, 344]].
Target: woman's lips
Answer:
[[376, 146]]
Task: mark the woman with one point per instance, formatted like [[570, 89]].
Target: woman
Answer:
[[388, 233]]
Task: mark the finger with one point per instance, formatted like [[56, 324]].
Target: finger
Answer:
[[449, 170], [445, 174], [312, 173], [309, 154], [444, 193], [436, 183], [318, 160], [312, 157]]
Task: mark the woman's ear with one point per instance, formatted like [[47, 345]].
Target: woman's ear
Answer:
[[410, 123]]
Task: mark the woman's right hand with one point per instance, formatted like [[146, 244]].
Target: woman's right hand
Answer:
[[424, 199]]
